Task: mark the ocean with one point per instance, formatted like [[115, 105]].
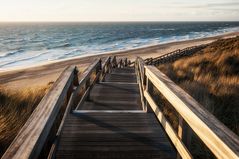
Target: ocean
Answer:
[[26, 44]]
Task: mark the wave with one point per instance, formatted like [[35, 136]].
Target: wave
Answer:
[[164, 29], [65, 45], [23, 59], [71, 53], [11, 53]]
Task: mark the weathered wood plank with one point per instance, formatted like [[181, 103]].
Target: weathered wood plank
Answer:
[[118, 133]]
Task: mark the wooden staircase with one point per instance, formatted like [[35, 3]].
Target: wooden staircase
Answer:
[[109, 111], [117, 91], [111, 123]]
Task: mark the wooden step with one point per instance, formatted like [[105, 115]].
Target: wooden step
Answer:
[[110, 106], [113, 96], [117, 135], [127, 78], [126, 70], [112, 88]]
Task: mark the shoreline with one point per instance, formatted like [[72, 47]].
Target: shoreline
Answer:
[[41, 74], [18, 68]]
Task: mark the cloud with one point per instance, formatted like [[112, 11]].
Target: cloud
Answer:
[[212, 5]]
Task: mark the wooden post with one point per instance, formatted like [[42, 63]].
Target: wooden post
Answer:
[[180, 132], [121, 63], [76, 80], [187, 135], [108, 66], [74, 83], [98, 69], [144, 87], [149, 89], [125, 62], [114, 62]]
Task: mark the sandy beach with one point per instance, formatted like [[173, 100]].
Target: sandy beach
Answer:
[[43, 74]]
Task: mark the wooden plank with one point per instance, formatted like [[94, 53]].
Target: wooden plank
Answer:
[[120, 78], [218, 138], [107, 111], [31, 138], [117, 133]]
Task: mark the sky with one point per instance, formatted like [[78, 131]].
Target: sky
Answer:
[[119, 10]]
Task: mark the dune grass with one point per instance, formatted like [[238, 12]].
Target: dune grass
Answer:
[[15, 109], [211, 76]]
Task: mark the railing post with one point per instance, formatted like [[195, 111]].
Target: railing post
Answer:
[[184, 133], [144, 88], [98, 69], [114, 62], [109, 66], [74, 83], [125, 62], [121, 63], [180, 131], [76, 80], [149, 89], [100, 65], [129, 63]]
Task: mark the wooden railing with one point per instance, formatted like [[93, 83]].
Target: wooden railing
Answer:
[[40, 135], [171, 56], [222, 142], [37, 131], [174, 55]]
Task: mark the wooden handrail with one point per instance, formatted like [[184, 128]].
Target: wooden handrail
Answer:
[[33, 135], [139, 69], [218, 138]]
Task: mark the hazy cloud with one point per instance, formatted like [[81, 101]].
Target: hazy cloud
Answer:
[[121, 10]]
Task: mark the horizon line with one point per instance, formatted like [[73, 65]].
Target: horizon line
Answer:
[[118, 21]]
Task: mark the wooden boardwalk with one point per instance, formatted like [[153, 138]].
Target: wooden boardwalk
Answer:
[[112, 124], [108, 111]]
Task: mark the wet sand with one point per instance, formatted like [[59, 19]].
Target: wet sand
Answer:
[[43, 74]]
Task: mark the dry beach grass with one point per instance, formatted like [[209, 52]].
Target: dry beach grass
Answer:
[[15, 109], [211, 76]]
